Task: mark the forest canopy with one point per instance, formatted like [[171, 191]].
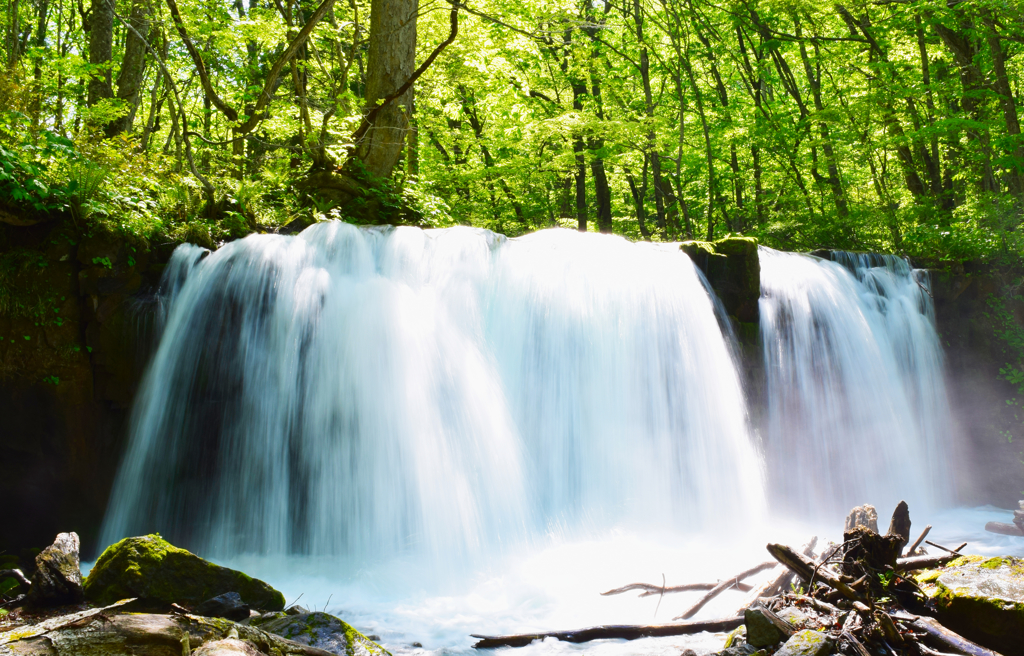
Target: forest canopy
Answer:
[[884, 125]]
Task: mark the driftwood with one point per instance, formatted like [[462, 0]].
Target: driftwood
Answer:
[[809, 572], [952, 551], [649, 589], [619, 632], [781, 583], [941, 636], [928, 562], [1003, 529], [919, 540], [900, 523], [722, 587], [858, 646], [17, 575]]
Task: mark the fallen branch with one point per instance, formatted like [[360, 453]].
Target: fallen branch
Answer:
[[17, 575], [919, 540], [818, 605], [1003, 529], [950, 640], [858, 647], [618, 632], [722, 587], [808, 571], [952, 551], [649, 589], [780, 583], [927, 562]]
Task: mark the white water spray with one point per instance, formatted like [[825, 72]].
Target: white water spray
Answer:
[[374, 392], [857, 407]]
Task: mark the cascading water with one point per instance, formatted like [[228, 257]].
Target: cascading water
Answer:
[[857, 407], [372, 408], [372, 392]]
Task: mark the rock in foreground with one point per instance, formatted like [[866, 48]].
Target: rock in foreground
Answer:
[[58, 579], [151, 568], [324, 632], [982, 599], [107, 632]]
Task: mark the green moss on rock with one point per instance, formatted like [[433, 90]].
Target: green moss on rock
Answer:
[[982, 599], [149, 567], [806, 643], [325, 632], [696, 248]]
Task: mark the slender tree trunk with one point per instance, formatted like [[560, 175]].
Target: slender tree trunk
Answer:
[[1001, 85], [581, 185], [934, 163], [972, 83], [133, 67], [813, 74], [413, 146], [101, 48], [42, 23]]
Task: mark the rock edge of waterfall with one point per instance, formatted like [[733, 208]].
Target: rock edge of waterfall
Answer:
[[146, 596]]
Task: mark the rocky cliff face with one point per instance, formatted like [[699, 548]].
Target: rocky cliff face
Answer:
[[70, 359], [991, 424]]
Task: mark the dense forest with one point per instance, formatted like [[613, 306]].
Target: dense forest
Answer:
[[886, 125]]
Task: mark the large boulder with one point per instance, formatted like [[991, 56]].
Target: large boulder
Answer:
[[981, 599], [322, 631], [57, 580], [151, 568]]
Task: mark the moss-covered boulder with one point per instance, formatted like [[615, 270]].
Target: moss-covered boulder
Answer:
[[733, 269], [149, 567], [322, 631], [981, 599]]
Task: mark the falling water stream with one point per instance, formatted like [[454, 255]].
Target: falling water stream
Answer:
[[443, 432]]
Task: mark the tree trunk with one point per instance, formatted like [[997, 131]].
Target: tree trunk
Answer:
[[1001, 85], [101, 47], [972, 82], [391, 61], [133, 68], [813, 74], [581, 185]]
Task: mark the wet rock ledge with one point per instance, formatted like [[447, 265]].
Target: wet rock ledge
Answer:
[[146, 597]]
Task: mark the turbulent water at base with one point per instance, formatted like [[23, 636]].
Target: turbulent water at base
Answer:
[[856, 399], [377, 392]]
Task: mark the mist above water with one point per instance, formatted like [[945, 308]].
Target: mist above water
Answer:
[[855, 384]]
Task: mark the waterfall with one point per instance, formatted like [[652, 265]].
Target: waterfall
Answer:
[[379, 391], [856, 399]]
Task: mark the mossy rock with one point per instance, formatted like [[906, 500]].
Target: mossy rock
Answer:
[[737, 246], [696, 249], [807, 643], [325, 632], [149, 567], [982, 599]]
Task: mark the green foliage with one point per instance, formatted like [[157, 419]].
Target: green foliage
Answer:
[[897, 153], [24, 167]]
